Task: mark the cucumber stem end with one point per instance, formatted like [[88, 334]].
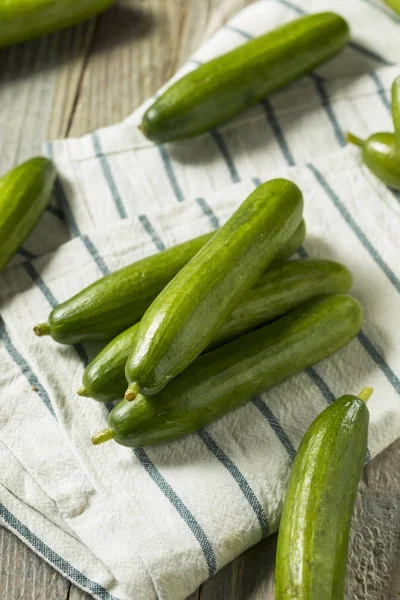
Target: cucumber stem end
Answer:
[[82, 391], [353, 139], [41, 329], [103, 436], [366, 394], [131, 392]]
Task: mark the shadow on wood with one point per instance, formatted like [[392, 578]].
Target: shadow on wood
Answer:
[[120, 23], [249, 577]]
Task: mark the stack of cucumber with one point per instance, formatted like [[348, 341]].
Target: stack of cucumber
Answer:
[[201, 327]]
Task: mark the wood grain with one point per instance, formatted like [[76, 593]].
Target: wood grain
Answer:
[[93, 75], [77, 594], [249, 577], [36, 79], [25, 576]]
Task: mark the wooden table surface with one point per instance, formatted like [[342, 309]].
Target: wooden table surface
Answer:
[[93, 75]]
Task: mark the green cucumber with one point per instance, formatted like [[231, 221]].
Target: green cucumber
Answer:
[[314, 531], [223, 379], [187, 314], [280, 290], [24, 194], [104, 377], [218, 90], [396, 105], [394, 5], [115, 302], [25, 19], [381, 154]]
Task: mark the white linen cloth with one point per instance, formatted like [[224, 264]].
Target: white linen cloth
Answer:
[[156, 522]]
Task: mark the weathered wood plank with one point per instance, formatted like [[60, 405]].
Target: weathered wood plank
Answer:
[[77, 594], [250, 576], [37, 78], [134, 51], [74, 46], [374, 557], [24, 575], [203, 19]]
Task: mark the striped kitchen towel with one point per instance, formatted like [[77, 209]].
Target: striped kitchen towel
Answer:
[[156, 522]]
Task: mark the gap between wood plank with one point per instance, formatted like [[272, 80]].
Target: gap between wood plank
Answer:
[[181, 35], [92, 35]]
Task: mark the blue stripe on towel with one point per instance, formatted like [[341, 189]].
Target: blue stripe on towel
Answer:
[[381, 90], [108, 176], [323, 94], [223, 148], [34, 275], [242, 33], [26, 253], [180, 507], [276, 426], [48, 294], [379, 360], [277, 131], [355, 227], [382, 9], [208, 211], [321, 385], [52, 557], [170, 173], [240, 479], [62, 199], [148, 227], [25, 368], [89, 245]]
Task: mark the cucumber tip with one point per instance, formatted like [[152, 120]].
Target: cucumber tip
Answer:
[[132, 391], [82, 391], [355, 140], [103, 436], [366, 394], [41, 329]]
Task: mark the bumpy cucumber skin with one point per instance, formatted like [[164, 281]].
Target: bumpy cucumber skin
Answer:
[[24, 193], [186, 315], [280, 290], [115, 302], [221, 380], [283, 288], [381, 154], [396, 103], [25, 19], [315, 526], [292, 244], [223, 87], [104, 377]]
